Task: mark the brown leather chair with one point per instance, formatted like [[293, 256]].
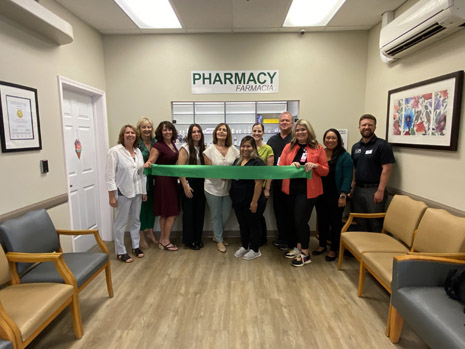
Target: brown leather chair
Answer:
[[26, 309]]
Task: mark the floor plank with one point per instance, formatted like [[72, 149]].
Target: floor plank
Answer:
[[206, 299]]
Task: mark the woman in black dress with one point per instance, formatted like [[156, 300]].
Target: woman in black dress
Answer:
[[192, 195]]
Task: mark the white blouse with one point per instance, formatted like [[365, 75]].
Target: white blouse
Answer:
[[197, 150], [124, 172], [216, 186]]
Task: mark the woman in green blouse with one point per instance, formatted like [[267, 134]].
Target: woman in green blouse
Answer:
[[147, 217]]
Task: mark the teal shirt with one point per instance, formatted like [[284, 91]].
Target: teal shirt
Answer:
[[344, 173]]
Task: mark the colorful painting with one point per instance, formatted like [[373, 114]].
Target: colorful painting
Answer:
[[426, 114]]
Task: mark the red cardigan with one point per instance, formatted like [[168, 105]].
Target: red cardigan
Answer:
[[316, 156]]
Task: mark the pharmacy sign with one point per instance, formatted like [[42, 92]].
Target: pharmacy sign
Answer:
[[235, 81]]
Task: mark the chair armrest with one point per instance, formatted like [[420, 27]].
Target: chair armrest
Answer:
[[55, 257], [95, 232], [421, 271], [360, 215], [443, 255]]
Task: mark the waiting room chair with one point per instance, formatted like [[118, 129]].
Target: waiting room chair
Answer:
[[400, 221], [26, 309], [34, 232], [419, 297]]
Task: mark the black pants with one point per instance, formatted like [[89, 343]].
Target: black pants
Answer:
[[264, 228], [329, 220], [193, 212], [300, 210], [250, 224], [281, 211]]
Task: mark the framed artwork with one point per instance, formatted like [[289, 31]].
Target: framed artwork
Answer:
[[426, 114], [19, 122]]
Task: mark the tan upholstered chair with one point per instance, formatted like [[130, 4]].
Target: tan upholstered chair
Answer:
[[26, 309], [400, 221], [439, 234]]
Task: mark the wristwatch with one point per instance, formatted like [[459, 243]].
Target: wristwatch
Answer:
[[343, 196]]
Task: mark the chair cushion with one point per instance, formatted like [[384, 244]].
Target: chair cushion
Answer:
[[29, 306], [402, 217], [380, 264], [439, 231], [361, 242], [32, 232], [82, 264], [437, 318]]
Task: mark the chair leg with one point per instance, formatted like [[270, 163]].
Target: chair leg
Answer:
[[361, 279], [76, 316], [341, 255], [396, 325], [108, 278], [388, 324]]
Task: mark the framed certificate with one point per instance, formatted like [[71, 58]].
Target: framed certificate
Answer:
[[19, 122]]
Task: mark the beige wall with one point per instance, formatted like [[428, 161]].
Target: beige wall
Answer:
[[436, 175], [325, 71], [29, 60]]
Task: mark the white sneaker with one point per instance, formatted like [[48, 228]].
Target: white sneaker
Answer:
[[240, 252], [252, 255], [292, 253]]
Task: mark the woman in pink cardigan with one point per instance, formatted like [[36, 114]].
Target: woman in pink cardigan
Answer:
[[303, 150]]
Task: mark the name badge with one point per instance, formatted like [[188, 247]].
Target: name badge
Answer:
[[369, 151], [304, 157]]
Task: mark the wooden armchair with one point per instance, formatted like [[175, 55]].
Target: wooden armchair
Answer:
[[26, 309], [400, 221], [418, 296], [34, 232]]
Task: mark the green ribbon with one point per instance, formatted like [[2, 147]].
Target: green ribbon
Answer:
[[229, 172]]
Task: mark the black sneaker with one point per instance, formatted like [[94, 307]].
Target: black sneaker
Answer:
[[301, 260], [276, 243], [283, 246]]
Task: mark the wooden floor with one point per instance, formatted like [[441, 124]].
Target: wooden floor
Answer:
[[206, 299]]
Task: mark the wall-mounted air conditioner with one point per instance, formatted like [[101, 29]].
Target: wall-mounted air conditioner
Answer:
[[424, 23]]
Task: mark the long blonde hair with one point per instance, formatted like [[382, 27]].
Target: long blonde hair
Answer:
[[145, 120], [311, 140]]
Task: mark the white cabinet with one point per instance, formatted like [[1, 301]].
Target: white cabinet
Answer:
[[240, 116]]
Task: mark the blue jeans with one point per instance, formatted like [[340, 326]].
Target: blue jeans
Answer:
[[220, 209]]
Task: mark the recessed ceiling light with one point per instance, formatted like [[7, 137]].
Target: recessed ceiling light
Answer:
[[148, 14], [311, 13]]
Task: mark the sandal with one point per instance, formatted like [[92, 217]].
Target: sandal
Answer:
[[138, 252], [125, 258], [168, 247]]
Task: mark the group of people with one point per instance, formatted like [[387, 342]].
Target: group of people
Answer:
[[335, 177]]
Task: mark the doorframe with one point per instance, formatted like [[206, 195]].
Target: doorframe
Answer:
[[99, 109]]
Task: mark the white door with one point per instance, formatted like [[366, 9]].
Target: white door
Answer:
[[81, 165]]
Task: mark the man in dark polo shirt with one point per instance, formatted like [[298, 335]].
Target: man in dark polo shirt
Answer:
[[373, 159], [277, 143]]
